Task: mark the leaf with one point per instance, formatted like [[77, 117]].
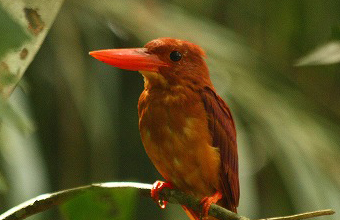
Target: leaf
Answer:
[[24, 27], [3, 186], [11, 114], [12, 34], [111, 200], [326, 54], [102, 205]]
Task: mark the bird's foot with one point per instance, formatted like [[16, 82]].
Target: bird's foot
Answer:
[[156, 188], [207, 201]]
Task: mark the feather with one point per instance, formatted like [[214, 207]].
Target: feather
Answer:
[[222, 129]]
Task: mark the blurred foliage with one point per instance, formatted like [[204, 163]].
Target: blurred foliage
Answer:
[[111, 204], [325, 54], [12, 35], [85, 115], [24, 25]]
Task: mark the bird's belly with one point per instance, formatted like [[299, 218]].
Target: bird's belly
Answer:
[[180, 148]]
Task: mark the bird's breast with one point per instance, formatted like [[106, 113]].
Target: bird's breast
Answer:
[[175, 134]]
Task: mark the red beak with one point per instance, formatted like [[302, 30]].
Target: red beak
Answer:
[[136, 59]]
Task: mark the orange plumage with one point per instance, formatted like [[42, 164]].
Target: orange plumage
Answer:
[[186, 128]]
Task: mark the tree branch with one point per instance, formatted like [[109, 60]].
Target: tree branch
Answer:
[[303, 215], [46, 201], [178, 197]]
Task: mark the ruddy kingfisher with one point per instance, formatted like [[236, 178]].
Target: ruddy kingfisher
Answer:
[[186, 128]]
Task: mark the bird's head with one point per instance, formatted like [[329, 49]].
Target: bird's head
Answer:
[[163, 62]]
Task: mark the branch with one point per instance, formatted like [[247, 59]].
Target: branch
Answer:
[[178, 197], [303, 215], [46, 201]]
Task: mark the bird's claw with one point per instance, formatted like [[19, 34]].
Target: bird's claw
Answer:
[[156, 188], [207, 201]]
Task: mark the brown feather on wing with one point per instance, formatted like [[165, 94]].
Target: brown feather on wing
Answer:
[[222, 128]]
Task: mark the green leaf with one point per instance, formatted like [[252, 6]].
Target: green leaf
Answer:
[[12, 34], [24, 26], [112, 200], [326, 54], [114, 204], [3, 186], [11, 114]]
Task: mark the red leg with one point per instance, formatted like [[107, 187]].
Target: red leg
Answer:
[[156, 188], [207, 201]]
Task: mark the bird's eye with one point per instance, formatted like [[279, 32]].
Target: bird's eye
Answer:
[[175, 56]]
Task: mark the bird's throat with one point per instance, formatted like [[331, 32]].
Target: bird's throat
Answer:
[[153, 79]]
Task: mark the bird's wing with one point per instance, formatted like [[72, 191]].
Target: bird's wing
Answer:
[[222, 129]]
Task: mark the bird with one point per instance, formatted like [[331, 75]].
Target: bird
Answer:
[[186, 128]]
